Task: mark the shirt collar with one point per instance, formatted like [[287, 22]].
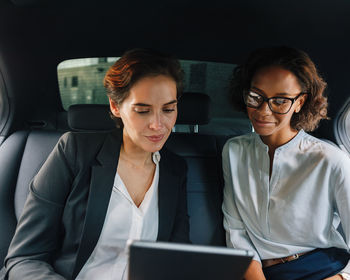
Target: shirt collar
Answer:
[[301, 133], [156, 157]]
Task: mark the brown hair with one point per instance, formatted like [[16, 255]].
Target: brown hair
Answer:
[[136, 64], [295, 61]]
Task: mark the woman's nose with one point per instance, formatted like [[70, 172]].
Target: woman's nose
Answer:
[[264, 108], [156, 122]]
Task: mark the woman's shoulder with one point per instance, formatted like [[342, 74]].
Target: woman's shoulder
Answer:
[[328, 150], [79, 136], [87, 138], [85, 145]]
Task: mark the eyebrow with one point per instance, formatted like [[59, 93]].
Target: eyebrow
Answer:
[[148, 105], [278, 93]]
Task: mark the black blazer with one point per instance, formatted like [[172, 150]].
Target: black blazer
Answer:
[[67, 203]]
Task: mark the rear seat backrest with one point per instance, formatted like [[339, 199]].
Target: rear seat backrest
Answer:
[[11, 152], [204, 186], [204, 182], [38, 146], [21, 156]]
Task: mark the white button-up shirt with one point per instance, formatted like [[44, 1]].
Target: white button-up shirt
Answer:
[[124, 220], [298, 209]]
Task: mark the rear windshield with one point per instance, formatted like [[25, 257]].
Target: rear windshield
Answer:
[[81, 82]]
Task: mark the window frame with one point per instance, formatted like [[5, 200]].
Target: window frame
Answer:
[[4, 107], [341, 135]]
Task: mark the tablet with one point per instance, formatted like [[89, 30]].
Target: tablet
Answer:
[[172, 261]]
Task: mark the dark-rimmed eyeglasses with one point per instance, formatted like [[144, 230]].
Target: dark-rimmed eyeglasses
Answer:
[[278, 105]]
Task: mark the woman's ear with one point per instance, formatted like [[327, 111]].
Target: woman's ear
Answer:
[[114, 108], [301, 101]]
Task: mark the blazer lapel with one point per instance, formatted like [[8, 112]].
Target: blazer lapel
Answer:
[[167, 198], [101, 184]]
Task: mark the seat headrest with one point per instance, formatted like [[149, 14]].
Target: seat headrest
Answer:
[[90, 117], [193, 108]]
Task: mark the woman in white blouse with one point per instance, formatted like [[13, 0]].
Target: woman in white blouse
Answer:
[[96, 190], [286, 192]]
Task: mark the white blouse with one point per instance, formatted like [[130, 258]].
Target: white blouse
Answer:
[[123, 221], [298, 209]]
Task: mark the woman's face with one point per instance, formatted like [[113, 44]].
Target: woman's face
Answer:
[[148, 113], [275, 81]]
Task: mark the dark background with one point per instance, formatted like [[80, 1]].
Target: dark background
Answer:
[[36, 35]]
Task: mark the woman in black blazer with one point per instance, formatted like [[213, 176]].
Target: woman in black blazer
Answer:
[[98, 188]]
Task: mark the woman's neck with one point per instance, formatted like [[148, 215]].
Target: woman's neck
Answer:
[[134, 154], [277, 140]]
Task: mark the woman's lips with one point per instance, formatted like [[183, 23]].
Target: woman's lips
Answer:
[[263, 123], [155, 138]]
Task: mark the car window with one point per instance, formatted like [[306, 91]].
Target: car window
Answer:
[[81, 82]]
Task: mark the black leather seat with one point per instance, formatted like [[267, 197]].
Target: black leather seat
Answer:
[[23, 153], [204, 183], [21, 156]]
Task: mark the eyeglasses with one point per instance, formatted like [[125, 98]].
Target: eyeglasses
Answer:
[[278, 105]]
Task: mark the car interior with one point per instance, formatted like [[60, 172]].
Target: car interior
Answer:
[[41, 100]]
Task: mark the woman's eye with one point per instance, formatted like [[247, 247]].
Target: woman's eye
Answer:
[[168, 110], [142, 112], [280, 101]]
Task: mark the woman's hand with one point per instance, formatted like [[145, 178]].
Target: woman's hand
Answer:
[[335, 277], [254, 272]]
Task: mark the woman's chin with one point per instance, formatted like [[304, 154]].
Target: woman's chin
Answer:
[[263, 131]]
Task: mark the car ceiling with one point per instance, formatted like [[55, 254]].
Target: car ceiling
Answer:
[[36, 35]]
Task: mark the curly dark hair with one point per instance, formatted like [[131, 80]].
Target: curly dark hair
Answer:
[[295, 61], [136, 64]]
